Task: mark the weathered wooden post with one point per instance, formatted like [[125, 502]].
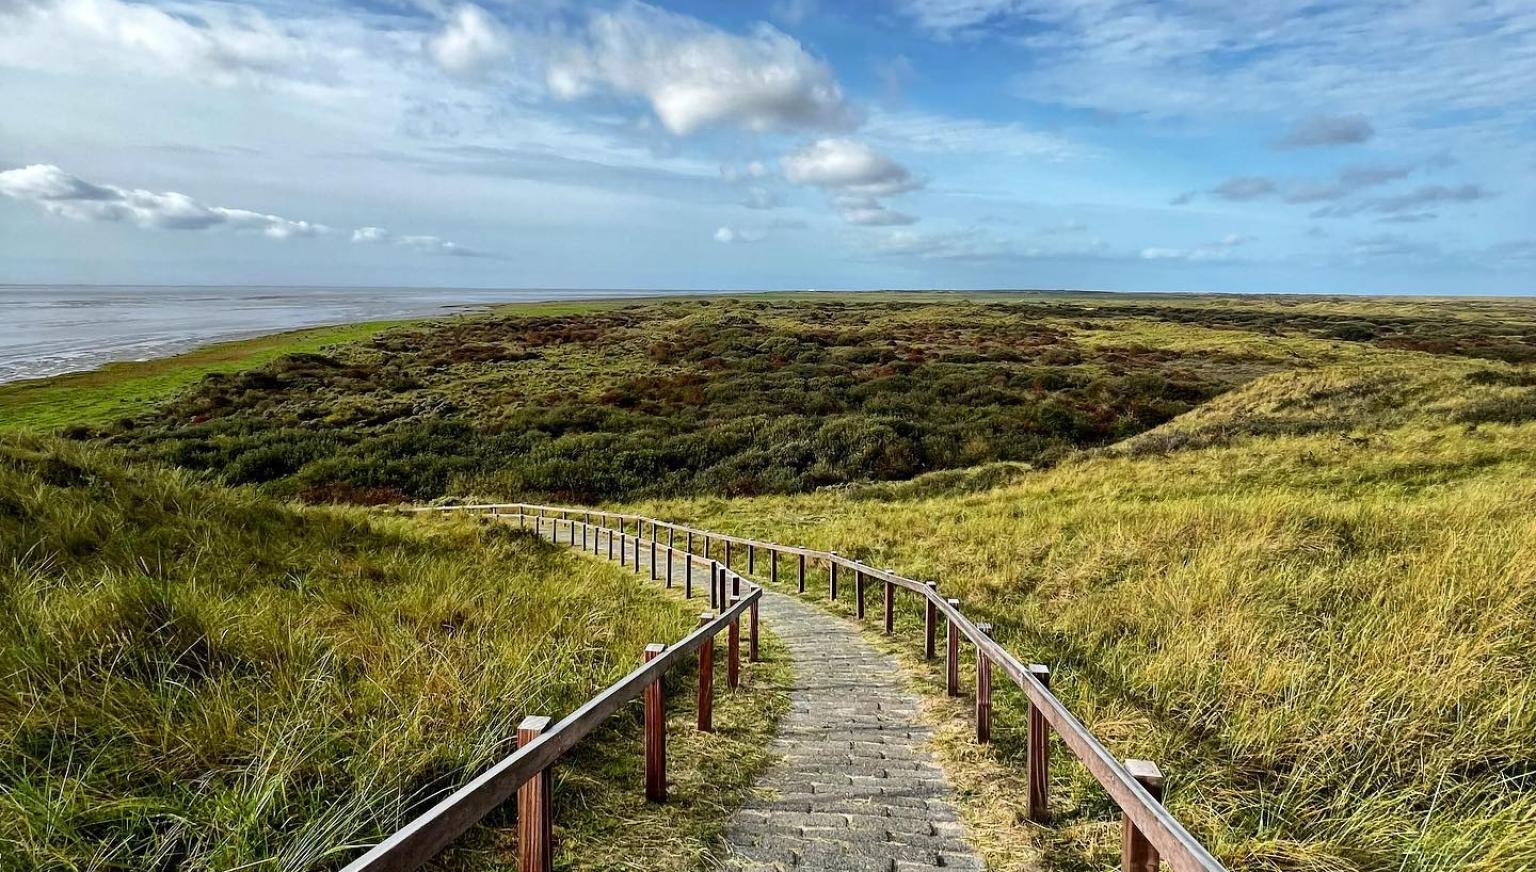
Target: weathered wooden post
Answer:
[[535, 817], [727, 554], [802, 574], [584, 526], [653, 557], [890, 606], [706, 678], [930, 621], [688, 577], [952, 636], [1136, 853], [773, 568], [655, 732], [706, 545], [752, 638], [832, 575], [751, 558], [610, 543], [1039, 752], [983, 690], [714, 587], [858, 593], [733, 650], [669, 566], [671, 536], [688, 542]]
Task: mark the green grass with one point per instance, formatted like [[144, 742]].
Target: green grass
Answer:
[[1312, 600], [116, 390], [198, 677], [1282, 546]]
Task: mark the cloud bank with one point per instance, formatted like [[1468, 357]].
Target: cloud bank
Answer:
[[72, 197], [695, 76]]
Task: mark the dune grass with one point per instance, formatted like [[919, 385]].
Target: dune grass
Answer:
[[197, 677], [1312, 600]]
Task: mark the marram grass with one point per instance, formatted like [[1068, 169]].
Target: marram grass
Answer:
[[1312, 601], [199, 678]]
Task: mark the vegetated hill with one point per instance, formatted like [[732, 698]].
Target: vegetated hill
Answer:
[[200, 678], [687, 397], [1312, 600]]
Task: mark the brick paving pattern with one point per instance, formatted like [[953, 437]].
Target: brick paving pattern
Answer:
[[855, 788]]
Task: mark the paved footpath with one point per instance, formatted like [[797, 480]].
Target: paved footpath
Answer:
[[855, 787]]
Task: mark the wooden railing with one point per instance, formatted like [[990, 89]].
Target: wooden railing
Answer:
[[1150, 834], [541, 744]]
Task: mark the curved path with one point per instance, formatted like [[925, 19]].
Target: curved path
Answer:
[[856, 787]]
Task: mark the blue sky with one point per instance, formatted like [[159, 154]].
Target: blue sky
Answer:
[[1370, 146]]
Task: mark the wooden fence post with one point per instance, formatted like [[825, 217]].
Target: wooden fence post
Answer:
[[1136, 853], [752, 637], [669, 566], [802, 574], [983, 690], [637, 546], [706, 678], [751, 558], [655, 732], [930, 622], [688, 577], [535, 817], [706, 545], [858, 593], [727, 554], [952, 637], [890, 607], [773, 568], [714, 587], [653, 558], [671, 536], [688, 542], [733, 650], [1039, 752], [832, 575], [610, 543]]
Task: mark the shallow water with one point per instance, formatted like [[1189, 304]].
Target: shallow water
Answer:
[[51, 329]]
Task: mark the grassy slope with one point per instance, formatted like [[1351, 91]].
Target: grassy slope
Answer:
[[733, 397], [1312, 600], [117, 390], [200, 678]]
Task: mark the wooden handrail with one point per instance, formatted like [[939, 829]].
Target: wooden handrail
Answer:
[[1142, 810], [420, 840]]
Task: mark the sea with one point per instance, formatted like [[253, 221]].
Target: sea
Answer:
[[51, 329]]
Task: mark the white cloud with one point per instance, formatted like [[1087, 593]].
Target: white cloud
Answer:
[[848, 166], [1411, 63], [877, 216], [72, 197], [469, 40], [217, 44], [695, 76], [427, 244], [730, 235], [1221, 249], [855, 175]]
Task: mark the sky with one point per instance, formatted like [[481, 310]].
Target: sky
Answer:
[[1373, 146]]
